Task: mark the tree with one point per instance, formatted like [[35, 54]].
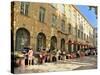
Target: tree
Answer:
[[95, 8]]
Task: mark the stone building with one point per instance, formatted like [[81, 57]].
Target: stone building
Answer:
[[95, 37], [49, 26]]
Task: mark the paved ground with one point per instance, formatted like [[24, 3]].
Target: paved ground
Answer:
[[87, 62]]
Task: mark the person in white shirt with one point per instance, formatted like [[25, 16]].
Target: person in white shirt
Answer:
[[30, 56]]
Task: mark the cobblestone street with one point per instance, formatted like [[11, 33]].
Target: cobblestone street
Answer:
[[87, 62]]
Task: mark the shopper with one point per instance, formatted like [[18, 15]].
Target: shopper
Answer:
[[30, 56]]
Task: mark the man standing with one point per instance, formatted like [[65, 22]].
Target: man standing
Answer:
[[30, 56]]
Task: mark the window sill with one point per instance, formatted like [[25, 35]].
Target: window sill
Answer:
[[24, 15]]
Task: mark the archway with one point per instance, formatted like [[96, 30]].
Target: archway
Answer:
[[22, 38], [62, 44], [41, 41], [78, 47], [69, 46], [53, 44], [75, 46]]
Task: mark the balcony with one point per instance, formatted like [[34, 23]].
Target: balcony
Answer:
[[65, 32]]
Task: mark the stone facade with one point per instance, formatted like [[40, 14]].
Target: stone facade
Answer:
[[67, 28]]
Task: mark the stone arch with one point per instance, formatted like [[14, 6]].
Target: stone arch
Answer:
[[41, 41], [22, 38], [69, 46], [62, 44], [53, 44]]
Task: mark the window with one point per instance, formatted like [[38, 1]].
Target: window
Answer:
[[74, 16], [76, 30], [84, 36], [41, 41], [81, 26], [24, 8], [69, 28], [22, 39], [41, 14], [87, 37], [78, 33], [63, 25], [54, 20], [81, 35]]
